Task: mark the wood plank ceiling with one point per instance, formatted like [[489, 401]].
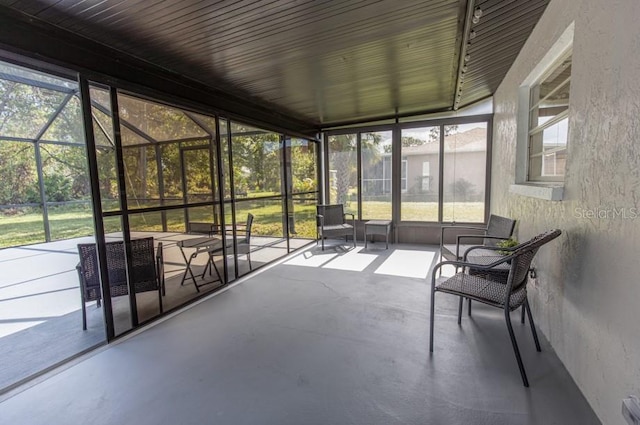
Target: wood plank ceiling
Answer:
[[324, 62]]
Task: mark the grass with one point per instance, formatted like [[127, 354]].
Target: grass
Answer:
[[472, 212], [66, 222]]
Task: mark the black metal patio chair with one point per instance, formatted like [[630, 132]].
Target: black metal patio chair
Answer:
[[507, 296], [146, 273], [331, 221]]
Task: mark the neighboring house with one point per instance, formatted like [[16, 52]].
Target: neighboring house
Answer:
[[465, 156]]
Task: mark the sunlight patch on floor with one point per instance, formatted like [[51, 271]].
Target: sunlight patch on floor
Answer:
[[354, 261], [311, 259], [332, 258], [407, 263]]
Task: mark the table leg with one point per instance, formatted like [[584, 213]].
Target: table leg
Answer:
[[210, 263], [188, 269]]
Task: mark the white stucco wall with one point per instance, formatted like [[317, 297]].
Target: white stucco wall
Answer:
[[587, 296]]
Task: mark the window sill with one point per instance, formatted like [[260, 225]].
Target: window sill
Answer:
[[540, 191]]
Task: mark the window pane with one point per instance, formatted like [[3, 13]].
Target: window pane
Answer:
[[555, 80], [105, 149], [267, 241], [141, 176], [159, 122], [547, 154], [547, 147], [224, 148], [68, 192], [551, 107], [464, 173], [420, 174], [376, 175], [343, 172], [67, 126], [303, 166], [27, 109], [256, 162]]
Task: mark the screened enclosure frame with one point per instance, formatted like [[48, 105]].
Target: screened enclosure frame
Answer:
[[38, 140], [108, 127], [396, 151]]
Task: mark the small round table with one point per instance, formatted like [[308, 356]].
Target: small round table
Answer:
[[377, 227]]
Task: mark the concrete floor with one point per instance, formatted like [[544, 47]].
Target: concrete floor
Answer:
[[40, 316], [333, 337]]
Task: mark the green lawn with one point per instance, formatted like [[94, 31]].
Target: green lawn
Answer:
[[22, 228], [423, 211]]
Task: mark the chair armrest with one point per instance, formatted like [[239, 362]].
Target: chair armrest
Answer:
[[320, 217], [466, 264], [353, 218], [489, 248], [480, 236], [240, 227], [474, 266]]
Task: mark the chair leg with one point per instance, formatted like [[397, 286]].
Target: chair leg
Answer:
[[433, 310], [524, 307], [249, 258], [460, 311], [523, 374], [533, 326], [84, 313], [469, 312], [160, 297]]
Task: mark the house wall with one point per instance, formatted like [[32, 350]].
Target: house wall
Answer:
[[587, 293], [414, 173], [468, 166]]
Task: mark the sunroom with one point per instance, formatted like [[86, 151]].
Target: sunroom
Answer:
[[211, 130]]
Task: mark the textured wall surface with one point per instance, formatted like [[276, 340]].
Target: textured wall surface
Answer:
[[587, 293]]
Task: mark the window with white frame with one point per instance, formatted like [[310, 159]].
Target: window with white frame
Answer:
[[426, 176], [548, 123], [403, 175]]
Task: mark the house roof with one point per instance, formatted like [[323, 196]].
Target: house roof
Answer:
[[474, 140], [324, 63]]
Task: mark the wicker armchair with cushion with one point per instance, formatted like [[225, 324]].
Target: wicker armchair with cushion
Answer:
[[506, 296], [332, 221], [498, 228], [146, 274]]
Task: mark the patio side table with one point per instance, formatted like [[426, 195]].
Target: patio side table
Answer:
[[210, 245], [377, 227]]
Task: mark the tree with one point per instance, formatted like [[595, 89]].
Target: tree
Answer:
[[434, 133], [342, 160], [463, 190]]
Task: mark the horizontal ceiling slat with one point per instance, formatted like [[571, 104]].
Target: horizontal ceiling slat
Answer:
[[503, 29]]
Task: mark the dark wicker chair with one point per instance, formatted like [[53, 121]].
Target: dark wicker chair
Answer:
[[146, 274], [507, 296], [244, 242], [332, 221], [498, 228], [243, 232]]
